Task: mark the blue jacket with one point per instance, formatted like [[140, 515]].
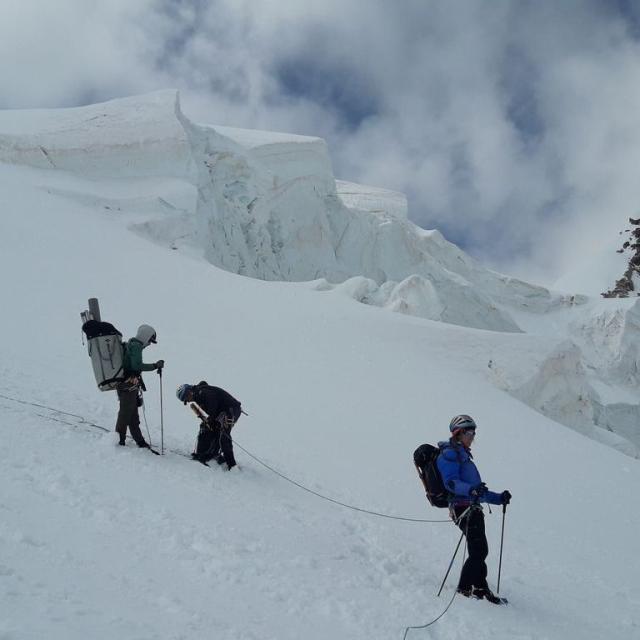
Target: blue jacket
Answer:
[[460, 475]]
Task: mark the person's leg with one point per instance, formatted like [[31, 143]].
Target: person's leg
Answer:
[[226, 445], [465, 585], [128, 405], [474, 570], [226, 423], [206, 448], [121, 425], [478, 550], [134, 423]]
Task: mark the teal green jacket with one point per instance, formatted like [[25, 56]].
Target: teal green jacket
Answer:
[[133, 358]]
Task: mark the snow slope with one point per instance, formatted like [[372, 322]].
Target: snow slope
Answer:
[[103, 542], [267, 205]]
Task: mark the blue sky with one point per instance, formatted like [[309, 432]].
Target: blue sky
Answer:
[[511, 125]]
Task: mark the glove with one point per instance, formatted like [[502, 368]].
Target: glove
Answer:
[[478, 491], [159, 364], [506, 497]]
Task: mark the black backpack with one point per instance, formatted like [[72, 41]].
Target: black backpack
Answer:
[[424, 457]]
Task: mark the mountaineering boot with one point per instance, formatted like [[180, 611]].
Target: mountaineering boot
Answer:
[[220, 459], [143, 444], [466, 592], [199, 458], [487, 594], [122, 441]]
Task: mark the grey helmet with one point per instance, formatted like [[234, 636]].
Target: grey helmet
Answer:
[[461, 422], [146, 334]]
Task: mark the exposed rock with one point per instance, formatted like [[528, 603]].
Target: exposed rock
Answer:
[[625, 286]]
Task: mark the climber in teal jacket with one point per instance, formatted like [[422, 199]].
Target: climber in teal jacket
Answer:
[[129, 390]]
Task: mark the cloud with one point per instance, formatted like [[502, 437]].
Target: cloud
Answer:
[[510, 125]]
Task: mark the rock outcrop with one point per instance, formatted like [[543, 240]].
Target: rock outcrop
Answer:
[[629, 284]]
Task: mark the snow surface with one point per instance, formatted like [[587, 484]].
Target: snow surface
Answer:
[[130, 137], [103, 542], [266, 204]]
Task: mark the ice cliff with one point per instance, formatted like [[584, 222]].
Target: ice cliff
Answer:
[[268, 206]]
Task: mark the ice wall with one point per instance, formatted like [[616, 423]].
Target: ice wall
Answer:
[[372, 199], [269, 207]]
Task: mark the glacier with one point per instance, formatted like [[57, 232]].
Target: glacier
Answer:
[[267, 205], [341, 384]]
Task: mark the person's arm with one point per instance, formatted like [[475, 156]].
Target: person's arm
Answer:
[[449, 468], [135, 357], [491, 497]]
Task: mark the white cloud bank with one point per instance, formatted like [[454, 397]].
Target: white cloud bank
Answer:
[[511, 125]]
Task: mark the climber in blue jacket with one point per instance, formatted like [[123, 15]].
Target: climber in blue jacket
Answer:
[[462, 480]]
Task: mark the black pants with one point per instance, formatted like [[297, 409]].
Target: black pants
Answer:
[[214, 439], [474, 571], [128, 415]]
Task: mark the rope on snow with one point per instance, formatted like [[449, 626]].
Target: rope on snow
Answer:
[[83, 420]]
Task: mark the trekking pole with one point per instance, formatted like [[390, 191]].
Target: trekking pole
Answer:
[[161, 416], [504, 511], [455, 553], [146, 424]]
